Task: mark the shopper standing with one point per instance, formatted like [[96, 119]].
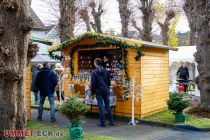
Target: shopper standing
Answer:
[[35, 90], [46, 82], [100, 82], [183, 76], [59, 70]]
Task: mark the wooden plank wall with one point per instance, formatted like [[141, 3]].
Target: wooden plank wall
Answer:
[[28, 92], [133, 67], [155, 80]]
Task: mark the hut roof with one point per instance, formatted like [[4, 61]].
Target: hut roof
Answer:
[[184, 53], [41, 40], [43, 58], [110, 39], [38, 23]]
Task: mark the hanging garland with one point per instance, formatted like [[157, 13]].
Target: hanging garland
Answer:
[[108, 40], [55, 56], [111, 40], [124, 64]]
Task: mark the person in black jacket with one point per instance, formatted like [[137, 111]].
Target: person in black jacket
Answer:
[[46, 82], [183, 76], [35, 90], [100, 82]]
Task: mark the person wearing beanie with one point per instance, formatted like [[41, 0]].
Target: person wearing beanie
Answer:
[[59, 70]]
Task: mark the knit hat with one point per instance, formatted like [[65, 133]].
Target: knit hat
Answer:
[[59, 67]]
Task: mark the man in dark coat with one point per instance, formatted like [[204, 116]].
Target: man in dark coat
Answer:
[[46, 82], [100, 82], [183, 76]]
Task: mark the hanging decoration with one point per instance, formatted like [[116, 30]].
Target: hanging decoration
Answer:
[[107, 42], [74, 49], [112, 40], [55, 56]]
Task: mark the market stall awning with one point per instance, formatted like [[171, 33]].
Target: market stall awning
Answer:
[[109, 39], [184, 53], [40, 40], [43, 58]]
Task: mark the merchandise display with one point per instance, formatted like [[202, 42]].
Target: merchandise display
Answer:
[[86, 64]]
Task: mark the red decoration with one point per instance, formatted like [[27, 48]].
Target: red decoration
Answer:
[[180, 88]]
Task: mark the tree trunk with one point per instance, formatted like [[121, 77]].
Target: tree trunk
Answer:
[[15, 24], [96, 15], [202, 56], [147, 27], [97, 20], [133, 21], [67, 19], [165, 26], [85, 17], [147, 20], [125, 16], [190, 12], [164, 34]]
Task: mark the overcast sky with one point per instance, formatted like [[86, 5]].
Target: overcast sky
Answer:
[[111, 20]]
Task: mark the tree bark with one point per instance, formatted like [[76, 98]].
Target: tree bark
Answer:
[[190, 12], [85, 17], [15, 25], [165, 26], [147, 20], [67, 19], [96, 16], [125, 16], [133, 21], [202, 56]]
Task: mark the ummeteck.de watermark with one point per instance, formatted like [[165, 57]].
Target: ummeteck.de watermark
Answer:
[[30, 133]]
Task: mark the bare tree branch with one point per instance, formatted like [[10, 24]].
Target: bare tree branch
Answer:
[[125, 16], [97, 14]]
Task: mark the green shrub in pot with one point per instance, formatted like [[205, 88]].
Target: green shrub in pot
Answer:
[[74, 110], [178, 102]]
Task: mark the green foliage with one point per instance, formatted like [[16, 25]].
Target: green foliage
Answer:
[[114, 41], [173, 40], [55, 56], [73, 110], [178, 102], [167, 116]]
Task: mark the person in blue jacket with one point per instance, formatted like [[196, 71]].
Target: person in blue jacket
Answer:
[[46, 82], [100, 82]]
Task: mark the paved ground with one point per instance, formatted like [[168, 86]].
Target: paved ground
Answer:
[[128, 132]]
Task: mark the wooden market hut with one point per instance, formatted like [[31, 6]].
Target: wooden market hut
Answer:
[[148, 60]]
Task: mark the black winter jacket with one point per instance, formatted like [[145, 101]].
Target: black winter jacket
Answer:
[[46, 81], [183, 73], [100, 81], [35, 71]]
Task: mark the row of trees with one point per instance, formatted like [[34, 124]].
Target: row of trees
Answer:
[[140, 15]]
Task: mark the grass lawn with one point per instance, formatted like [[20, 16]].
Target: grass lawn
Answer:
[[46, 103], [31, 125], [168, 117]]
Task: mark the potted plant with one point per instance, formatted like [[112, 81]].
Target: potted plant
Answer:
[[178, 102], [74, 110]]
